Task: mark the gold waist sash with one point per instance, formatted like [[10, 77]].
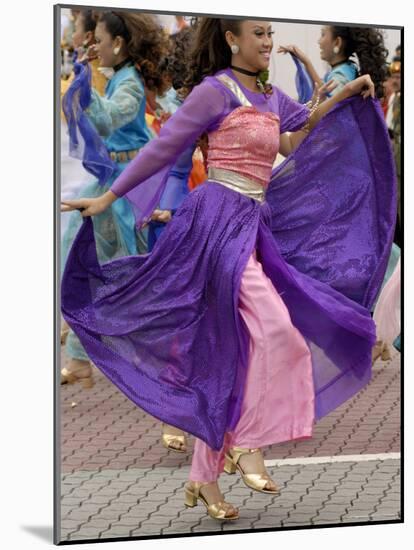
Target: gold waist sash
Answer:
[[237, 182], [123, 156]]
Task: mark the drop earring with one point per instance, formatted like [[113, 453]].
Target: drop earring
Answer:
[[336, 50], [117, 50], [234, 48]]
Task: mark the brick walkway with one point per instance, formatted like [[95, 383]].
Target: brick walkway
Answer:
[[118, 480]]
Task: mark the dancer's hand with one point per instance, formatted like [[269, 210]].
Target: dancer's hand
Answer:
[[90, 53], [362, 85], [321, 91], [161, 215], [89, 207], [291, 48], [164, 116]]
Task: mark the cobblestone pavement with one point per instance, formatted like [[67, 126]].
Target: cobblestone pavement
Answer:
[[117, 480]]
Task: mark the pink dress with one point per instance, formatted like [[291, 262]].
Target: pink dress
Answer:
[[388, 309], [278, 403]]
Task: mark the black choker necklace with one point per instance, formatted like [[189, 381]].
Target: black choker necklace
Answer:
[[245, 71], [122, 64]]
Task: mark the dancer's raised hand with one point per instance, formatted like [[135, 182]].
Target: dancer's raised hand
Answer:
[[294, 50], [362, 85], [322, 91]]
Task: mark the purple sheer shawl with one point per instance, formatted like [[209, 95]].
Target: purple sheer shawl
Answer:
[[84, 141], [333, 201], [303, 81]]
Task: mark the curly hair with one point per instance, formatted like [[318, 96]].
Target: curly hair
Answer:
[[146, 43], [209, 52], [176, 64], [89, 19], [368, 45]]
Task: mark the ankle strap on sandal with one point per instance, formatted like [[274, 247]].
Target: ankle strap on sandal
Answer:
[[236, 452]]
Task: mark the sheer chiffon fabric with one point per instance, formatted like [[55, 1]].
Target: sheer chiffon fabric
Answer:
[[166, 327], [278, 402]]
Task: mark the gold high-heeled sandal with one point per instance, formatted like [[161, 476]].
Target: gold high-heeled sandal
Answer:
[[167, 440], [217, 510], [64, 336], [68, 377], [256, 482], [64, 331], [380, 349]]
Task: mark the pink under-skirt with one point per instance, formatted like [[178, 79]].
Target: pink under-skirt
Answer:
[[387, 312], [278, 403]]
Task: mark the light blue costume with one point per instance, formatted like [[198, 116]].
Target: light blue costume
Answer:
[[342, 74], [119, 118]]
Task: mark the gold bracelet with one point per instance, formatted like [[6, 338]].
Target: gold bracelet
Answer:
[[306, 127]]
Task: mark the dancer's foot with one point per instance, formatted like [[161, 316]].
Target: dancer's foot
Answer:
[[250, 463], [211, 496], [77, 370], [173, 438], [380, 349], [64, 331]]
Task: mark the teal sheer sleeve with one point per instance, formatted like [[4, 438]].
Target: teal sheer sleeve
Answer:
[[109, 114]]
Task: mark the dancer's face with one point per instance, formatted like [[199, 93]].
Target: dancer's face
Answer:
[[105, 46], [327, 43], [255, 42]]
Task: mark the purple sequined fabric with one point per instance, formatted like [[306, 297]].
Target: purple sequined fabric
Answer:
[[165, 327], [333, 201]]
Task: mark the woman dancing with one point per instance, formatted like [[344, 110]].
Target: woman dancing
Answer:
[[214, 331], [338, 45], [132, 46]]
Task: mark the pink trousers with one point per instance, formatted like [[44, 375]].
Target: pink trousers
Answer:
[[387, 311], [278, 403]]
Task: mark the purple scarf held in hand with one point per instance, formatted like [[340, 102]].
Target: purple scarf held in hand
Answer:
[[303, 81], [333, 201], [88, 145]]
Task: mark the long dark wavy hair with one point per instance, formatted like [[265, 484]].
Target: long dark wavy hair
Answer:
[[146, 42], [209, 52], [368, 45], [175, 65], [89, 19]]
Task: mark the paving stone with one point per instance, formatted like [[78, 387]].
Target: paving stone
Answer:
[[67, 523], [85, 535], [362, 506], [100, 523], [116, 531]]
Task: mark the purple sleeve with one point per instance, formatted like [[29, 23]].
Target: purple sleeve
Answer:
[[293, 115], [201, 109]]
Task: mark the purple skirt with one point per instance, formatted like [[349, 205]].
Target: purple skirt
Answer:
[[165, 327]]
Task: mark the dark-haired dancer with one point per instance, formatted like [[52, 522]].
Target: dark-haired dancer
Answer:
[[73, 174], [214, 331], [338, 45], [177, 187], [131, 46]]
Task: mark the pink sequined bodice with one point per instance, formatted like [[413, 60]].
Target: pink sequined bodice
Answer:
[[246, 142]]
